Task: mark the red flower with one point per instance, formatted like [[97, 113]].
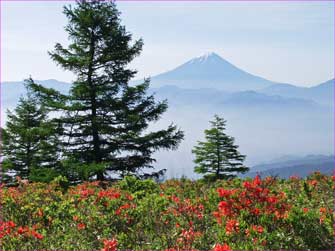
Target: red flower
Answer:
[[256, 211], [323, 210], [258, 229], [110, 194], [232, 226], [257, 181], [6, 228], [313, 183], [129, 197], [247, 184], [224, 193], [11, 224], [86, 192], [272, 199], [223, 247], [36, 235], [81, 226], [124, 207], [225, 208], [21, 230], [110, 245], [175, 198]]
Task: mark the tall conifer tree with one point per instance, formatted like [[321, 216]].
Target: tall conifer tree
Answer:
[[218, 156], [106, 122]]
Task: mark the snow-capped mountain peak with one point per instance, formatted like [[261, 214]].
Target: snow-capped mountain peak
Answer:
[[209, 56], [210, 71]]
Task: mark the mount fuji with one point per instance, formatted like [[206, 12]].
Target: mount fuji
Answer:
[[210, 71]]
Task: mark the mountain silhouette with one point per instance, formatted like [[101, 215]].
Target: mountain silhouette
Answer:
[[210, 71]]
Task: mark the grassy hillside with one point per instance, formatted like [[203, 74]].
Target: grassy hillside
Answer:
[[239, 214]]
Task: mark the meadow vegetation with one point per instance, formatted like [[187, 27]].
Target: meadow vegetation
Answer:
[[234, 214]]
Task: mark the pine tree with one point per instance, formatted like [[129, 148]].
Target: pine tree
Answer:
[[218, 157], [30, 146], [106, 120]]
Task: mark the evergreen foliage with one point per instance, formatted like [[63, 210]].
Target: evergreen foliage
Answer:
[[218, 156], [105, 120], [30, 142]]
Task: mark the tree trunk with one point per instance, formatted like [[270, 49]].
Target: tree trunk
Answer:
[[95, 132]]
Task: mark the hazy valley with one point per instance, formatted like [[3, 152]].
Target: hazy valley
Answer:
[[267, 119]]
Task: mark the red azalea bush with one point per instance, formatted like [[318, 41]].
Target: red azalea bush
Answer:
[[236, 214]]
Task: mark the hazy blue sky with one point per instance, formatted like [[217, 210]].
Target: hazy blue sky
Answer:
[[282, 41]]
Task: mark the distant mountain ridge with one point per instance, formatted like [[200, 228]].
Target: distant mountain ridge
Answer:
[[208, 96], [298, 166], [286, 161], [210, 71], [11, 91], [322, 93]]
